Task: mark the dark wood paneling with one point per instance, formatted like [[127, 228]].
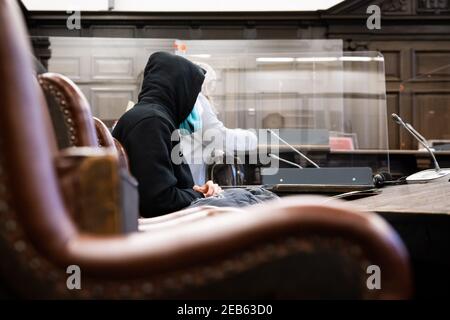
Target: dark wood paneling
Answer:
[[113, 31], [54, 31], [277, 33], [393, 106], [431, 65], [433, 6], [232, 32], [415, 72], [392, 63], [432, 114], [166, 32]]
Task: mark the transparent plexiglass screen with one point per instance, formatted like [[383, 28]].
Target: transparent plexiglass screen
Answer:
[[333, 100], [327, 103]]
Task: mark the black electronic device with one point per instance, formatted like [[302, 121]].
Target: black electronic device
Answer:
[[319, 180]]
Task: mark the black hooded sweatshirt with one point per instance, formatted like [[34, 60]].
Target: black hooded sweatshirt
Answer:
[[169, 91]]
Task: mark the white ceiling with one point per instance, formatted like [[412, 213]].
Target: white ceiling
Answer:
[[180, 5]]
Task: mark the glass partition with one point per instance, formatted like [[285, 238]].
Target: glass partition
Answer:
[[331, 99], [329, 104]]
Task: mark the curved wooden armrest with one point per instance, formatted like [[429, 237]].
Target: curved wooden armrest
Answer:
[[177, 214], [184, 216], [90, 182], [123, 157], [105, 139], [184, 245]]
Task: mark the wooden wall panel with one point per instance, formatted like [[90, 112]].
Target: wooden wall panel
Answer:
[[112, 68], [417, 82], [393, 106], [432, 114], [431, 65], [70, 67], [392, 61]]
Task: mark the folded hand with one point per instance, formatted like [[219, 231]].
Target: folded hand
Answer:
[[209, 189]]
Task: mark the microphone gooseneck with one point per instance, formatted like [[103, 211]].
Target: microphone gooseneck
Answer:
[[286, 161], [418, 137], [294, 149]]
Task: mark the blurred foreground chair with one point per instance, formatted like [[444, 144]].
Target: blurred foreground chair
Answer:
[[72, 119], [294, 248]]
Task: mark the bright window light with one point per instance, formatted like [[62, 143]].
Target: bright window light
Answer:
[[356, 59], [275, 59], [201, 56], [179, 5], [66, 5], [317, 59]]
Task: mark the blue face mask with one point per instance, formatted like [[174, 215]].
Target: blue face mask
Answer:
[[192, 123]]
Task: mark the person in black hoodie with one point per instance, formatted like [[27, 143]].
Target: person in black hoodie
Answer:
[[169, 91]]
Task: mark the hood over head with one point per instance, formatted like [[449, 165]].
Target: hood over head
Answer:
[[173, 82]]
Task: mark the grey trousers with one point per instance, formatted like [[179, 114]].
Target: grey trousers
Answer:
[[236, 198]]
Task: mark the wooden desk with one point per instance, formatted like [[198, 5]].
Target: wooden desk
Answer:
[[424, 198], [420, 213]]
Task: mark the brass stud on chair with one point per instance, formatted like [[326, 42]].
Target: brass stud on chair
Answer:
[[3, 206], [187, 279], [124, 290], [20, 246], [35, 263], [147, 288], [11, 225]]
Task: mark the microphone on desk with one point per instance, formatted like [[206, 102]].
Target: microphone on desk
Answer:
[[294, 149], [425, 175]]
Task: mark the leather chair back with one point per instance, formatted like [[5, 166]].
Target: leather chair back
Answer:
[[69, 110], [72, 120]]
